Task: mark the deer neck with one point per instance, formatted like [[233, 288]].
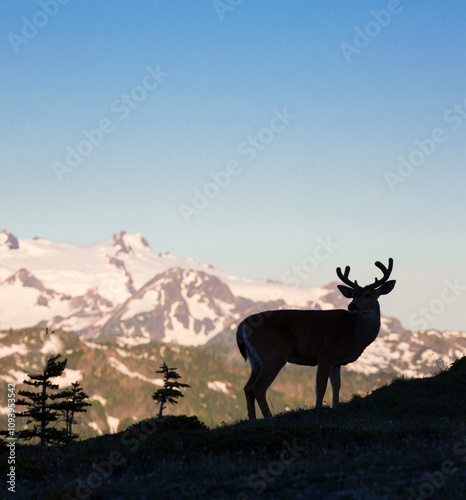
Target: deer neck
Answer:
[[367, 326]]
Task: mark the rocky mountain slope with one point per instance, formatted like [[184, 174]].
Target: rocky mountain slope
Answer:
[[120, 378]]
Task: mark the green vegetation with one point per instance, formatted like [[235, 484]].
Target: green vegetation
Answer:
[[405, 440]]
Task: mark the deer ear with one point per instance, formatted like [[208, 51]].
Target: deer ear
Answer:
[[386, 287], [346, 291]]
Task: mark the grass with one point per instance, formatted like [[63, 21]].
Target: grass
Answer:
[[405, 440]]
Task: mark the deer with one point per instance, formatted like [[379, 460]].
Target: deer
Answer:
[[323, 338]]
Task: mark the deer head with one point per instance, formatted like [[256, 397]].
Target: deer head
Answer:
[[365, 298]]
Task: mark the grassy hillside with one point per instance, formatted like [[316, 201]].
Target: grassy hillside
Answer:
[[405, 440], [216, 374]]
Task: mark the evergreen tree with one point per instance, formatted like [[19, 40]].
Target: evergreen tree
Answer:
[[74, 402], [47, 407], [41, 409], [169, 393]]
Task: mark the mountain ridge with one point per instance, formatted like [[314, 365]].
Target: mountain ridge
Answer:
[[86, 289]]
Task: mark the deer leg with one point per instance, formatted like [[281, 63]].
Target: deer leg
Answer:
[[323, 372], [248, 391], [335, 380], [266, 376]]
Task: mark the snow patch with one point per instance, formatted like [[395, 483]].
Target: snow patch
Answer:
[[218, 386], [94, 425], [264, 291], [118, 365], [122, 353], [100, 399], [458, 354], [68, 377], [145, 304], [52, 345], [113, 423], [132, 341], [94, 346], [14, 376], [8, 350]]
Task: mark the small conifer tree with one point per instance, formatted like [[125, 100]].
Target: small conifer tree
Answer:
[[170, 391], [41, 409], [47, 407], [74, 402]]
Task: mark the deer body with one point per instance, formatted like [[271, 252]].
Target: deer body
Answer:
[[327, 339]]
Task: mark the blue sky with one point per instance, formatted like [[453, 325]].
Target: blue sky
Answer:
[[355, 86]]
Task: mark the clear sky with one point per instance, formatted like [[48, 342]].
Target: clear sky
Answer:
[[245, 134]]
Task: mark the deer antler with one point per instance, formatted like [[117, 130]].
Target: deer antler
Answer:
[[386, 274], [345, 278]]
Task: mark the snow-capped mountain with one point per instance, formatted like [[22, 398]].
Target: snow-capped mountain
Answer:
[[120, 287]]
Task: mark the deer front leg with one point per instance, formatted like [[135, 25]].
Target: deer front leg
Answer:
[[335, 380], [323, 372]]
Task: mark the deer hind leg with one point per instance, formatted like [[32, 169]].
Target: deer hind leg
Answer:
[[263, 381], [335, 380], [249, 392], [323, 372]]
